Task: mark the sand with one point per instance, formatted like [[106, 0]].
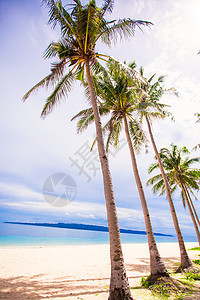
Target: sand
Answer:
[[73, 271]]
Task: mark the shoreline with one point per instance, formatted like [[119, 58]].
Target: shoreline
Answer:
[[13, 246]]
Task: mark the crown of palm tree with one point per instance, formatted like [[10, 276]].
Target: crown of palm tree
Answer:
[[178, 169], [123, 92], [149, 93], [81, 27], [115, 89]]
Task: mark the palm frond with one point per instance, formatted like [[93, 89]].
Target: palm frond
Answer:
[[196, 147], [61, 91], [154, 179], [113, 127], [105, 129], [55, 12], [57, 70], [64, 49], [151, 78], [123, 28], [138, 135], [187, 163], [85, 117], [183, 198], [192, 192], [117, 131], [153, 115], [80, 73], [132, 65], [190, 182], [51, 50], [58, 15], [153, 167], [41, 83], [158, 184], [136, 75], [141, 70], [107, 6]]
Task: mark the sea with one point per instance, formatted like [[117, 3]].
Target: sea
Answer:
[[28, 235]]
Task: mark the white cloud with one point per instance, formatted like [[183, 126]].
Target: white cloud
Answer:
[[19, 192], [20, 198], [24, 198]]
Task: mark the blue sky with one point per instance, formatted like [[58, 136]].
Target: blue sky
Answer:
[[33, 149]]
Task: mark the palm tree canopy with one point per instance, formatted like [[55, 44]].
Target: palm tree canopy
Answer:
[[115, 88], [122, 83], [149, 92], [178, 170], [81, 27]]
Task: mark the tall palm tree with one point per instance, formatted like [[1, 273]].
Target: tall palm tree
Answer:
[[81, 27], [150, 108], [180, 175], [115, 88]]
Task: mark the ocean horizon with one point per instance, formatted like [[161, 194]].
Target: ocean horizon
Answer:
[[29, 235]]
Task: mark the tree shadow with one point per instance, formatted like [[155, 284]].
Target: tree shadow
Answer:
[[143, 267], [35, 287], [172, 263]]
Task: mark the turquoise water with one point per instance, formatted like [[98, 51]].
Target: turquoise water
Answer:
[[27, 235]]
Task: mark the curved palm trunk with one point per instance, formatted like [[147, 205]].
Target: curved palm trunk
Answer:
[[194, 210], [119, 286], [185, 192], [157, 266], [185, 260]]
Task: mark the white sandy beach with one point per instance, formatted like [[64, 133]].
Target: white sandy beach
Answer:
[[73, 272]]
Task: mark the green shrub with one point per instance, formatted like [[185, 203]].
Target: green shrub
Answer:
[[145, 282], [192, 275], [196, 261], [195, 248]]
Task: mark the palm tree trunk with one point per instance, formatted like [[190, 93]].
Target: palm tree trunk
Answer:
[[194, 210], [157, 266], [185, 260], [185, 192], [119, 285]]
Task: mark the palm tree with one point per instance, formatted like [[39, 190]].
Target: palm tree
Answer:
[[81, 27], [115, 88], [180, 175], [149, 108]]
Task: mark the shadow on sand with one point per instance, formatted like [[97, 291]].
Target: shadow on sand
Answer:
[[35, 287]]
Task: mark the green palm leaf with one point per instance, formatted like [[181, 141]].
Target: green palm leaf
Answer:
[[61, 91], [57, 71], [107, 6], [138, 135]]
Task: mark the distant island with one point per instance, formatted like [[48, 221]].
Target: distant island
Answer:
[[86, 227]]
